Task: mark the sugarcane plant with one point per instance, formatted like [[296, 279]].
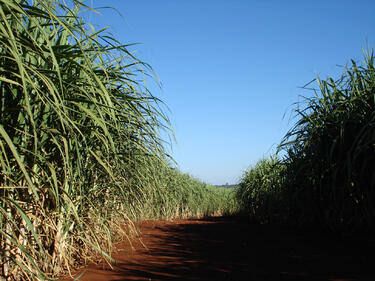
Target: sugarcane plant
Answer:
[[330, 163], [325, 174], [81, 152], [74, 119]]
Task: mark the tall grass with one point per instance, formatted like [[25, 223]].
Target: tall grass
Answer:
[[260, 191], [327, 174], [79, 141], [330, 172], [73, 118], [171, 194]]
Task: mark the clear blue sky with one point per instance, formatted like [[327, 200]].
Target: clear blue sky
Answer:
[[231, 69]]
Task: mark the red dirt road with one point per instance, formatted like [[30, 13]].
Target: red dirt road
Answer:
[[222, 248]]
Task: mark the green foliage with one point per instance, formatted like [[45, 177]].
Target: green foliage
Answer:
[[73, 119], [228, 185], [327, 175], [260, 191], [160, 191], [330, 165], [171, 194], [80, 151]]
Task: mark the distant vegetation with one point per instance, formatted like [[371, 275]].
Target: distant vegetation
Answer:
[[80, 148], [227, 185], [261, 192], [327, 176]]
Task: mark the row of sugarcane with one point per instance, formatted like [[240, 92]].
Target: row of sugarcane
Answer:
[[324, 173], [80, 148]]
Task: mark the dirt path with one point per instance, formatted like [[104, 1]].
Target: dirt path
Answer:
[[233, 249]]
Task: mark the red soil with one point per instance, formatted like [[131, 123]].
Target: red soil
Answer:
[[233, 249]]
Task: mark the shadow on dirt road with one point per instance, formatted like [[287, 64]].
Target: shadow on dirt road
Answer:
[[222, 248]]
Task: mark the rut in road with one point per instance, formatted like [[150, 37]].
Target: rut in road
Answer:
[[227, 248]]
